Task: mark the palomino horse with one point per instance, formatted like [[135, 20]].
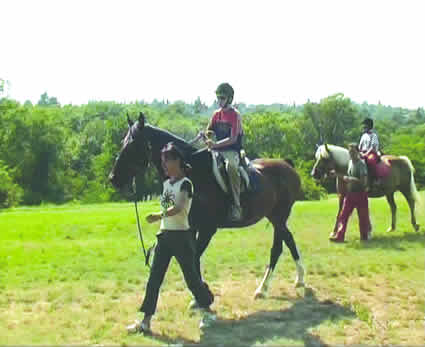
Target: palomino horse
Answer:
[[396, 174], [279, 189]]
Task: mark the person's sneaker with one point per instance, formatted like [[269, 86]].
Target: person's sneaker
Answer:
[[139, 327], [369, 234], [368, 237], [332, 235], [235, 213], [208, 318]]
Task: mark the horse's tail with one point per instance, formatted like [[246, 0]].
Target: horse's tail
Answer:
[[413, 189]]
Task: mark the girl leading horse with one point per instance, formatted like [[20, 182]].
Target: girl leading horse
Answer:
[[396, 175], [279, 184]]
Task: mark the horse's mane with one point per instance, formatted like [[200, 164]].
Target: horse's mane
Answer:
[[160, 137], [322, 152]]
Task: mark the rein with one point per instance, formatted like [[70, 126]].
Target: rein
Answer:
[[139, 228], [141, 236]]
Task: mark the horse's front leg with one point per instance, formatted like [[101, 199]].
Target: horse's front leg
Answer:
[[202, 239], [340, 201], [393, 206], [281, 233], [341, 190]]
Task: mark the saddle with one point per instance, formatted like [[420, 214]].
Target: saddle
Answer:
[[382, 167], [247, 172]]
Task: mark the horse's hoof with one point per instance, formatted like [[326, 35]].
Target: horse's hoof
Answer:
[[417, 227], [390, 230], [259, 295]]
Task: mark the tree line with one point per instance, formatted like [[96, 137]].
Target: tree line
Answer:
[[51, 153]]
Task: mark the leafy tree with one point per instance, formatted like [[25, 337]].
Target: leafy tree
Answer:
[[335, 119], [10, 192]]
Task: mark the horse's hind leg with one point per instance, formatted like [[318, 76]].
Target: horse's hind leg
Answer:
[[281, 233], [411, 201], [391, 202], [290, 243]]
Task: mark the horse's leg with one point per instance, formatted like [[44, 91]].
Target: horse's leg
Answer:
[[340, 201], [411, 201], [202, 240], [391, 202], [281, 233], [340, 189], [275, 253]]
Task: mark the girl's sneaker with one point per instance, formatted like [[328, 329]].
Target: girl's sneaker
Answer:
[[208, 318], [139, 327]]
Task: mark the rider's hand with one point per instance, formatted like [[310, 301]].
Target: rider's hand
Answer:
[[332, 173]]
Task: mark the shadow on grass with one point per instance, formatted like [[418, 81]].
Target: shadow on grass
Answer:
[[293, 324], [389, 240], [168, 341]]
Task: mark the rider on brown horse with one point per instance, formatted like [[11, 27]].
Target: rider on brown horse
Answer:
[[227, 125]]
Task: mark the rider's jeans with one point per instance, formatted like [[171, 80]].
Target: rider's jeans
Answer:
[[232, 168]]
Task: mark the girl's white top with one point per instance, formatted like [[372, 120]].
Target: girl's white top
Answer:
[[177, 194]]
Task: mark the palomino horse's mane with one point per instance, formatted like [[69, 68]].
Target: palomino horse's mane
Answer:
[[323, 153]]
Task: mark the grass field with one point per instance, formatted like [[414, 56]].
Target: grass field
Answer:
[[75, 275]]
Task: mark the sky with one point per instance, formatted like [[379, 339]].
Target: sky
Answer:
[[280, 51]]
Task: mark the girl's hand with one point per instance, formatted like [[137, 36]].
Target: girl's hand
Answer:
[[153, 217], [209, 143], [347, 179]]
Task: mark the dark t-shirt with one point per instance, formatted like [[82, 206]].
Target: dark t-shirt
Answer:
[[356, 169]]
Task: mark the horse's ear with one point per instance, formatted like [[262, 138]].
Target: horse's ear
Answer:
[[129, 121], [142, 120], [326, 147]]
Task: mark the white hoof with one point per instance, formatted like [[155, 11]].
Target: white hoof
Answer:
[[299, 280], [390, 230]]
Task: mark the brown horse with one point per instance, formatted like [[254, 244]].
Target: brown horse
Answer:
[[278, 189], [398, 173]]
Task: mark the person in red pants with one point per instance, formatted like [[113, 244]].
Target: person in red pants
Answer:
[[356, 197]]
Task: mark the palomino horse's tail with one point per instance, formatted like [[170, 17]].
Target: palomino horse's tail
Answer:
[[413, 189]]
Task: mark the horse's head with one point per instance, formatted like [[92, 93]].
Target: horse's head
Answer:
[[133, 156], [324, 162]]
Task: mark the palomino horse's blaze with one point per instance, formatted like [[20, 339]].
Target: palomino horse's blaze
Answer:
[[280, 188], [396, 174]]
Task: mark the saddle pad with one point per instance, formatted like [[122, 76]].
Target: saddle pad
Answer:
[[383, 168]]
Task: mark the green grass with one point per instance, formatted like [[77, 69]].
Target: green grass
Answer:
[[75, 275]]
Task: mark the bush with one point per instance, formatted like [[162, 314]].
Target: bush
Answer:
[[10, 193], [311, 190]]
